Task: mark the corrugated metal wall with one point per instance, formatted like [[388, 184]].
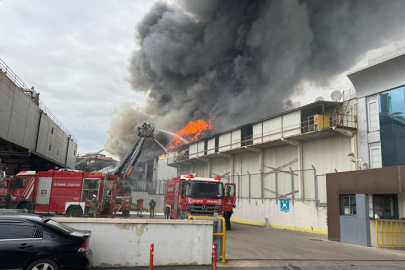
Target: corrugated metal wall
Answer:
[[201, 169], [326, 154], [200, 148], [272, 129], [292, 124], [224, 142], [220, 166], [236, 138], [211, 146], [258, 132], [193, 150], [164, 171]]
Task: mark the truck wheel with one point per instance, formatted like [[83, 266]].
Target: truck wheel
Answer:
[[26, 207], [74, 211], [125, 213]]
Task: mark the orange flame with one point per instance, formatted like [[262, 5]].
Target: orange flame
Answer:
[[190, 132]]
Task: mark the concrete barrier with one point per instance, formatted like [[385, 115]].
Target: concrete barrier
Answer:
[[126, 242]]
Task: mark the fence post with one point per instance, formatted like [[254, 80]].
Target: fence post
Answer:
[[316, 186], [262, 185], [238, 186], [276, 187], [292, 186], [250, 186], [229, 178]]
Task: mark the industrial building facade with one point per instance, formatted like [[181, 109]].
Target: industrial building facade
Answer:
[[367, 207], [31, 137], [281, 158]]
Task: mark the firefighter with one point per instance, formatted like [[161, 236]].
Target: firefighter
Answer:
[[94, 205], [227, 216], [9, 198], [152, 205]]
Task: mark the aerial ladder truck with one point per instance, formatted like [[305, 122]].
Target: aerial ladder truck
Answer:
[[67, 191], [125, 167]]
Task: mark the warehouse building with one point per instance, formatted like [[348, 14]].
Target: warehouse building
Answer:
[[279, 163]]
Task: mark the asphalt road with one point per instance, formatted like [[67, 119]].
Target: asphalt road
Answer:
[[260, 248]]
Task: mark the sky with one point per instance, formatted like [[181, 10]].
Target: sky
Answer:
[[75, 54]]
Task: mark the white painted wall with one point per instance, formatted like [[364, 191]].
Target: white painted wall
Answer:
[[211, 146], [292, 123], [258, 132], [272, 129], [236, 138], [132, 238], [269, 213], [137, 195], [200, 149], [192, 150], [220, 166], [224, 142]]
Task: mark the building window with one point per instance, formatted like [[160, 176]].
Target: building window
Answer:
[[375, 157], [385, 206], [205, 147], [392, 125], [247, 135], [216, 144], [373, 116], [57, 153], [52, 131], [348, 205], [50, 147]]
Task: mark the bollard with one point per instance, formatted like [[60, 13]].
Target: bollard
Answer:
[[152, 247], [214, 256]]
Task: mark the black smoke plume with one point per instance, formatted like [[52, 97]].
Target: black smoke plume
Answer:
[[234, 61]]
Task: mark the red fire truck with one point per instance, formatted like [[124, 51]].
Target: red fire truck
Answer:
[[190, 195], [63, 192], [67, 191]]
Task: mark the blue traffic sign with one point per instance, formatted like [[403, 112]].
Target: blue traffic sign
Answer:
[[285, 205]]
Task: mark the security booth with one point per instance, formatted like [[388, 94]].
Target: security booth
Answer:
[[367, 207]]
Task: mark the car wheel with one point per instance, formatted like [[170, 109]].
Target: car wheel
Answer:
[[43, 264], [26, 207], [74, 211]]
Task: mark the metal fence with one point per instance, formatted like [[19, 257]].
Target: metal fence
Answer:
[[288, 184]]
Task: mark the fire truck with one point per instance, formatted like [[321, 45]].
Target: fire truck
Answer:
[[190, 195], [68, 191]]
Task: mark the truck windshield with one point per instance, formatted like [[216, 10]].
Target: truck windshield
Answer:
[[204, 190]]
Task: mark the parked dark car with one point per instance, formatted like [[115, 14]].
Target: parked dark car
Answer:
[[31, 242]]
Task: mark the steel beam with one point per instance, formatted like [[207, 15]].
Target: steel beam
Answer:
[[225, 155], [254, 149], [345, 132], [293, 142]]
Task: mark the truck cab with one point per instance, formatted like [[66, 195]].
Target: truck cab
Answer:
[[189, 195]]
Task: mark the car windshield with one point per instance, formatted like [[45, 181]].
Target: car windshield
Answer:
[[204, 190], [60, 226]]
